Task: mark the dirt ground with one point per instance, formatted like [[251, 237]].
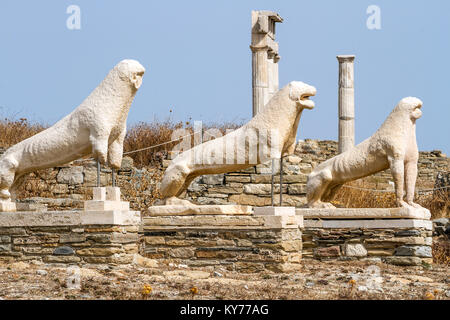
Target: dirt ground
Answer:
[[316, 280]]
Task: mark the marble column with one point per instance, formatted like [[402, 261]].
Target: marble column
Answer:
[[260, 79], [346, 103], [264, 58]]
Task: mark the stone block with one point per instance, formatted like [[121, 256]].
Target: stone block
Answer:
[[274, 211], [367, 224], [417, 251], [70, 175], [213, 179], [355, 250], [96, 205], [112, 217], [180, 210], [61, 259], [63, 251], [99, 193], [112, 193], [327, 252], [365, 213], [7, 206], [404, 261]]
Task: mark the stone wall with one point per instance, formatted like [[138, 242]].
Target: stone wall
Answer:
[[245, 243], [61, 237], [400, 246]]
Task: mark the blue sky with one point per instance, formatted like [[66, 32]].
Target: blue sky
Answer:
[[199, 63]]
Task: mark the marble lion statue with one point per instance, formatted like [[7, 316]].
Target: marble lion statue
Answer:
[[282, 114], [97, 127], [393, 146]]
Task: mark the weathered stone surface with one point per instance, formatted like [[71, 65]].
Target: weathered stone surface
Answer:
[[213, 179], [168, 210], [98, 251], [72, 237], [327, 252], [70, 175], [5, 247], [239, 179], [364, 213], [417, 251], [297, 189], [368, 224], [355, 250], [63, 251], [61, 259], [404, 261]]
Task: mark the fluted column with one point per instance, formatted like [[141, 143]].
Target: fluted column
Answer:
[[346, 102], [260, 79]]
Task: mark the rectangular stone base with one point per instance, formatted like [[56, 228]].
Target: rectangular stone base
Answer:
[[180, 210], [70, 236], [365, 213], [247, 243], [99, 205], [7, 206]]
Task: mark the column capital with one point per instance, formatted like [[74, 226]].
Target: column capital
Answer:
[[259, 47], [345, 58]]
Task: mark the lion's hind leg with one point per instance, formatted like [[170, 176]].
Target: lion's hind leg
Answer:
[[316, 187], [174, 180]]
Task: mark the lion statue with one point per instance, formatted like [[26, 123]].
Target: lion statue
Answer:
[[97, 127], [393, 146], [278, 120]]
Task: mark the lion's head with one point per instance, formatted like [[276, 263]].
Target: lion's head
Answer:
[[131, 70], [410, 106], [300, 93]]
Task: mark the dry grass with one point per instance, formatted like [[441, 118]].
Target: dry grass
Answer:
[[14, 131], [438, 202], [441, 251]]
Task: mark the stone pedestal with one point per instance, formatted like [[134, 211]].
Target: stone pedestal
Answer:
[[106, 232], [70, 236], [266, 240], [106, 199], [393, 235]]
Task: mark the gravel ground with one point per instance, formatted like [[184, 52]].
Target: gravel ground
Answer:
[[316, 280]]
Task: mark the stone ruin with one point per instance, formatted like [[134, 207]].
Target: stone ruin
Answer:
[[238, 237]]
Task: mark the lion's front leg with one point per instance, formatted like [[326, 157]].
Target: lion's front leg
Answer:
[[115, 151], [99, 142], [397, 169], [410, 182], [7, 176]]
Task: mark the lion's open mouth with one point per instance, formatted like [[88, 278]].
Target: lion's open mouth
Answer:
[[305, 102]]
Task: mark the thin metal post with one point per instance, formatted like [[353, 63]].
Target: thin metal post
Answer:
[[98, 173], [272, 182], [281, 181], [113, 177]]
